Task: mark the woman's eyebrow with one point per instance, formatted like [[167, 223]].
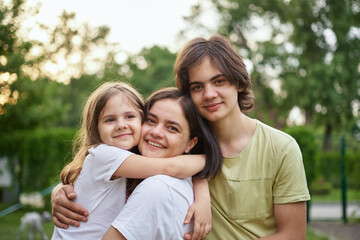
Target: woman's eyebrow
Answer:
[[152, 115], [174, 123]]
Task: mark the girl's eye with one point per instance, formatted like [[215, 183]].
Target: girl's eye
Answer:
[[109, 120], [130, 116]]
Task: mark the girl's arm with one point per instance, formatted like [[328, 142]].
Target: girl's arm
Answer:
[[200, 210], [66, 212], [182, 166]]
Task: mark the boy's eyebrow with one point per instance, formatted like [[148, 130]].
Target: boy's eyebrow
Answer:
[[212, 78]]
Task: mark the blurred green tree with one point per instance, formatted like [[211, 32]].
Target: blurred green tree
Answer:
[[12, 51], [302, 53], [44, 84], [149, 70]]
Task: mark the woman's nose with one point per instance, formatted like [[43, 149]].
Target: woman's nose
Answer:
[[157, 131]]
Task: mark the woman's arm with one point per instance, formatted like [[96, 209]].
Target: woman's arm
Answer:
[[113, 233], [200, 210], [182, 166], [66, 212]]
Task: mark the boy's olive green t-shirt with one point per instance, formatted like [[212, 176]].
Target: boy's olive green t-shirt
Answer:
[[268, 171]]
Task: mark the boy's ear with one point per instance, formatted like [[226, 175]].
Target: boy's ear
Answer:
[[191, 144]]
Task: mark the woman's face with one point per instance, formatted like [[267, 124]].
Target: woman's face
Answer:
[[165, 132]]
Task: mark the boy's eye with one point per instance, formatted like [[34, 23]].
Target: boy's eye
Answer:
[[195, 87], [219, 81]]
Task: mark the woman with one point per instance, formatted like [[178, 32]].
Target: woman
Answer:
[[158, 206]]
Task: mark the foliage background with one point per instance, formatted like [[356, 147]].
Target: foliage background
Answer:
[[301, 55]]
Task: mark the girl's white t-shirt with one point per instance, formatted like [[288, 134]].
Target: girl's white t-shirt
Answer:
[[102, 197]]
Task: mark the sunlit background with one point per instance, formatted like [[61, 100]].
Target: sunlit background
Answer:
[[302, 56]]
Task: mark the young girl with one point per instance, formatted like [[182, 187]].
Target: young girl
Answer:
[[112, 119]]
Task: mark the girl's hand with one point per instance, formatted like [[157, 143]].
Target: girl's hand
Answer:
[[200, 210], [65, 212], [202, 220]]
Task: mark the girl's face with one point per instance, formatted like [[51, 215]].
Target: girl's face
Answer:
[[214, 96], [120, 123], [165, 132]]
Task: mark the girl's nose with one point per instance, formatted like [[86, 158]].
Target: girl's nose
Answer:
[[121, 124]]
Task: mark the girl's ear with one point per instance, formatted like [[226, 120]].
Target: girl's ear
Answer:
[[191, 143]]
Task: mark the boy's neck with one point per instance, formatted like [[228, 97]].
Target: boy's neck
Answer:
[[233, 133]]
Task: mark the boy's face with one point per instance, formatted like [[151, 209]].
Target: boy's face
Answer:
[[165, 132], [120, 123], [213, 95]]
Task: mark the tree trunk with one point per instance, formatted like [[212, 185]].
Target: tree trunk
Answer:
[[308, 114], [327, 137]]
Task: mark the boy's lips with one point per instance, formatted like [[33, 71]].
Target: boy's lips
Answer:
[[212, 107]]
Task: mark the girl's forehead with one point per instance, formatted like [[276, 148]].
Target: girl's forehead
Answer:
[[120, 101]]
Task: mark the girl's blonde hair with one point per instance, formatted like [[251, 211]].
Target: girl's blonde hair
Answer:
[[88, 136]]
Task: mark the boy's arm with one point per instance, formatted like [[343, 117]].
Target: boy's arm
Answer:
[[290, 220], [200, 210], [66, 212]]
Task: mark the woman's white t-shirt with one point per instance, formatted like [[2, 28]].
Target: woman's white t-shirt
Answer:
[[156, 210]]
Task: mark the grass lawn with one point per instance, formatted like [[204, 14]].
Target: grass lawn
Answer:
[[10, 224], [312, 236]]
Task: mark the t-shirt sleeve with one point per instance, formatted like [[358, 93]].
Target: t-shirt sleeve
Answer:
[[290, 183], [107, 159], [148, 213]]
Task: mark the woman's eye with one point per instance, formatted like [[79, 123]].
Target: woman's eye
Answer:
[[173, 129], [150, 121]]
